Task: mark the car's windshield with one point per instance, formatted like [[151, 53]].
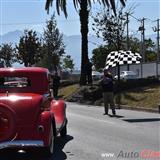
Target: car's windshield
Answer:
[[130, 73], [14, 82]]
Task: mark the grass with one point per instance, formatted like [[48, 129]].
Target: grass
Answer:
[[148, 97], [68, 91]]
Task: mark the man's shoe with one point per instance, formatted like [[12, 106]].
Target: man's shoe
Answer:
[[105, 113]]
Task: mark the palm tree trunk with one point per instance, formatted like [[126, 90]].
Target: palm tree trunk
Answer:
[[84, 16]]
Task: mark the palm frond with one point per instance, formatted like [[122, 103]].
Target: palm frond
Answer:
[[63, 7], [112, 2], [48, 4], [123, 2], [76, 3], [105, 2], [89, 3], [58, 6], [61, 4]]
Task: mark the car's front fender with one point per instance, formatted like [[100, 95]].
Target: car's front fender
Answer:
[[58, 108]]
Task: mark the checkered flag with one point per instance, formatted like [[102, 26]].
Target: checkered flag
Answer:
[[122, 57]]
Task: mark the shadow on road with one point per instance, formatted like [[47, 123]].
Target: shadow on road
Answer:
[[58, 150], [116, 116], [37, 154], [142, 120]]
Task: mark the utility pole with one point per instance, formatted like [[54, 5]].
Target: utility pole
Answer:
[[127, 21], [142, 29], [143, 37], [128, 47], [157, 29]]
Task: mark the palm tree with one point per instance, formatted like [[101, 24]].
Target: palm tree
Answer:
[[84, 6]]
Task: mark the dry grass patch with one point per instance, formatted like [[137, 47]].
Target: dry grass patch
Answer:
[[68, 91], [148, 97]]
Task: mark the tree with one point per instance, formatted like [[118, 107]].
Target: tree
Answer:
[[134, 44], [111, 27], [99, 56], [68, 63], [151, 56], [29, 48], [150, 50], [53, 44], [7, 55], [84, 6]]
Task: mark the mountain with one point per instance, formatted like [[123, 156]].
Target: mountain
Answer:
[[72, 43], [73, 46], [11, 37]]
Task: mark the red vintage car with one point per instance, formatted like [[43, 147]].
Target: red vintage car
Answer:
[[29, 116]]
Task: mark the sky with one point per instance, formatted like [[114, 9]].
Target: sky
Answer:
[[31, 14]]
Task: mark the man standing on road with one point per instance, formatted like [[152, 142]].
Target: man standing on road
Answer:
[[107, 89], [56, 84]]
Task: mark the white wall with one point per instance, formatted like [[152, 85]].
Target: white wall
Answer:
[[143, 70]]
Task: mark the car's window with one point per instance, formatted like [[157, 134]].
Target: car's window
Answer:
[[131, 73], [14, 82]]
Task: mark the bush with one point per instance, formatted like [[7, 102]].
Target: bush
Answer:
[[92, 93], [134, 83]]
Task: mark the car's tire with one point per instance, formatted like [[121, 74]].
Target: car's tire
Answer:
[[50, 149], [7, 122], [63, 132]]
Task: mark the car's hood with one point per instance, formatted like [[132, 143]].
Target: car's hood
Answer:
[[26, 106]]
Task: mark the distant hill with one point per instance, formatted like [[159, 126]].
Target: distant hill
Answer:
[[72, 43], [11, 37], [73, 46]]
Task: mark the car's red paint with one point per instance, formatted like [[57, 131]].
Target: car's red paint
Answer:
[[7, 125], [38, 77], [58, 108], [29, 111]]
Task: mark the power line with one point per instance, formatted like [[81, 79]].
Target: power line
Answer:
[[134, 17], [7, 24], [36, 23]]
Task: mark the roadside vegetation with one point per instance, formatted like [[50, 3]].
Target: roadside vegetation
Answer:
[[146, 97]]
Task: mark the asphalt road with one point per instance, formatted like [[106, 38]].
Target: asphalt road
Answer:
[[91, 135]]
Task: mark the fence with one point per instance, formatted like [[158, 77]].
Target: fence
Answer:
[[142, 70]]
